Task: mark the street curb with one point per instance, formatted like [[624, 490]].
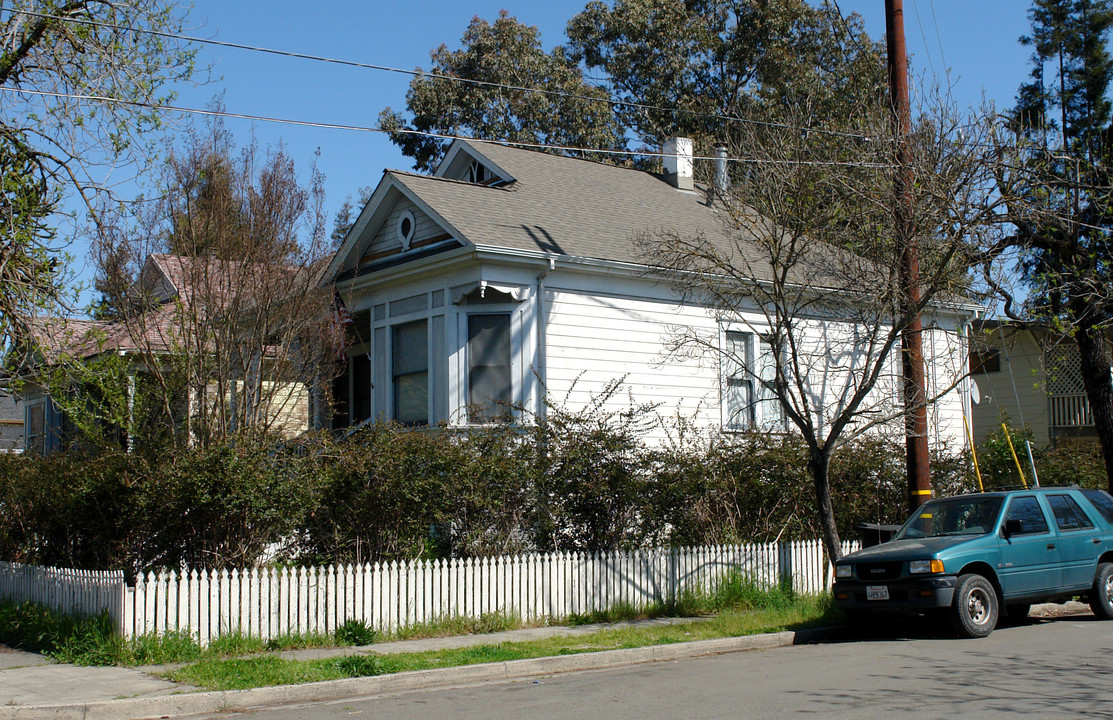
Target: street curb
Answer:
[[238, 700]]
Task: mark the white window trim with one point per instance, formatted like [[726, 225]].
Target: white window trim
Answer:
[[405, 239], [754, 365]]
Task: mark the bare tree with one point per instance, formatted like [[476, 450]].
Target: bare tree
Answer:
[[804, 280], [217, 286], [83, 89]]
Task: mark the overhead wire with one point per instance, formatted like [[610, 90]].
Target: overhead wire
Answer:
[[478, 83], [441, 136], [451, 78]]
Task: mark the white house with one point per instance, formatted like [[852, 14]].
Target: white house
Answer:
[[511, 273]]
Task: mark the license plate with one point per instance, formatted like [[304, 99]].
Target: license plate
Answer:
[[877, 592]]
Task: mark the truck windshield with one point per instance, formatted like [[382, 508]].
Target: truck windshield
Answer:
[[970, 515]]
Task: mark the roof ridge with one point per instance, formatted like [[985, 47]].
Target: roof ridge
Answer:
[[505, 187], [541, 152]]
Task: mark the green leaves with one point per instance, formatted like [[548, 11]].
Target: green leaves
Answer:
[[508, 53]]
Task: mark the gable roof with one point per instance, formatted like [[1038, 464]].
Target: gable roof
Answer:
[[174, 283], [552, 205]]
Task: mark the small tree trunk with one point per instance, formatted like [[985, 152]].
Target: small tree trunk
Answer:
[[1095, 364], [819, 464]]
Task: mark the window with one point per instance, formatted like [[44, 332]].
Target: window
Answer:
[[1068, 516], [36, 427], [476, 173], [749, 399], [410, 371], [488, 367], [985, 360], [1101, 501], [738, 388], [1027, 510], [406, 228]]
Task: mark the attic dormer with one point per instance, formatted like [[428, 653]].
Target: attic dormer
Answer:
[[467, 163]]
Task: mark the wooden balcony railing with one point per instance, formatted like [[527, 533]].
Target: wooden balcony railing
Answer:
[[1069, 410]]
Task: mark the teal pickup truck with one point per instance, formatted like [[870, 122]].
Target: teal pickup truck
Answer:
[[973, 557]]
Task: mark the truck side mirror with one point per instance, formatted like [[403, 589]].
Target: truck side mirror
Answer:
[[1012, 527]]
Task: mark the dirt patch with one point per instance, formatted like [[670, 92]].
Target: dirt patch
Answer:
[[1053, 610]]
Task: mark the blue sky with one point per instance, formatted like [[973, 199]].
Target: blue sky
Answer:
[[975, 41]]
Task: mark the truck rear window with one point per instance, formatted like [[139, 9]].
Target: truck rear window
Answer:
[[1101, 501]]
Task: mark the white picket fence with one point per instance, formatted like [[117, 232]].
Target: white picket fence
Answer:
[[269, 602], [80, 592]]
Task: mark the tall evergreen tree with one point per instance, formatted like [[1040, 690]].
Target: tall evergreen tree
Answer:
[[1060, 201]]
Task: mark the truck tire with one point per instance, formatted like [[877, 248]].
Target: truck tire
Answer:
[[975, 608], [1101, 594]]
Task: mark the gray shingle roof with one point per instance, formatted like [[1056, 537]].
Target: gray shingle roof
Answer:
[[566, 206]]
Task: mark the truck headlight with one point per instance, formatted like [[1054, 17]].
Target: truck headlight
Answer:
[[920, 567], [844, 571]]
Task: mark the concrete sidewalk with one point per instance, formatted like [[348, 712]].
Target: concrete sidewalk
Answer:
[[32, 686]]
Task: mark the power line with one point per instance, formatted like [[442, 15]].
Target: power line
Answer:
[[407, 131], [450, 78]]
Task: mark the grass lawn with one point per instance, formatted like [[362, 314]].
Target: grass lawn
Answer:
[[270, 669]]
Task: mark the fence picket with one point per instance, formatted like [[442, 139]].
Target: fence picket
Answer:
[[269, 602]]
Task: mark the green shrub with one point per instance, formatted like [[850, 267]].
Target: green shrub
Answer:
[[359, 665], [354, 632]]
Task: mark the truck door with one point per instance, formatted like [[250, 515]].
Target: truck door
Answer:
[[1029, 557], [1079, 541]]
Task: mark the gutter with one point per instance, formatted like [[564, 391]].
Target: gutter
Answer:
[[542, 345]]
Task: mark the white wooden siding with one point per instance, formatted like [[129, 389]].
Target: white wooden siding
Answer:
[[592, 340], [387, 239]]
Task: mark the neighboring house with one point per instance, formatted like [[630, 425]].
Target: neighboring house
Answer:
[[512, 274], [1030, 377], [11, 424], [172, 286]]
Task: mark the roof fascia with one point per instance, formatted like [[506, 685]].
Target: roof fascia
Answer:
[[374, 215], [639, 270], [407, 270]]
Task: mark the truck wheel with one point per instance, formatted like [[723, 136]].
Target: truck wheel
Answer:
[[1101, 595], [974, 612]]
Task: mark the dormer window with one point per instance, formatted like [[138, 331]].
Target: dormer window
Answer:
[[477, 173]]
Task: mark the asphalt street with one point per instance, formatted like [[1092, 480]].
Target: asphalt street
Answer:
[[1044, 669]]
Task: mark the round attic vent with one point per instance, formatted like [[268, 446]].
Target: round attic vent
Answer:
[[406, 228]]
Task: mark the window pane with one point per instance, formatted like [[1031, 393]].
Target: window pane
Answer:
[[411, 397], [1067, 514], [361, 388], [1028, 512], [738, 387], [1101, 501], [411, 348], [410, 357], [771, 413], [488, 367]]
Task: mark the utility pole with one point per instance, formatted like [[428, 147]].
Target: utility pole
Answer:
[[912, 352]]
